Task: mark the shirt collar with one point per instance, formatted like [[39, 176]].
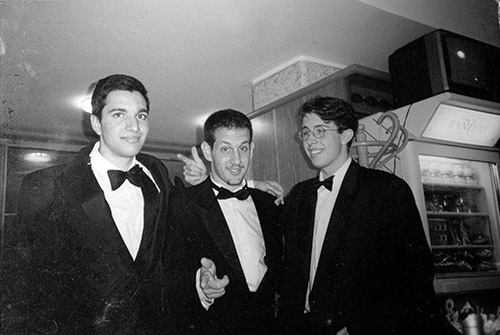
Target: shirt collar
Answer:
[[102, 164], [218, 184]]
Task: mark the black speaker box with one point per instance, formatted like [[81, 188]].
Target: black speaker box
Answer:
[[442, 61]]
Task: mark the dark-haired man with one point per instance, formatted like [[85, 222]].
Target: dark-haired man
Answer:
[[356, 257], [235, 226], [88, 256]]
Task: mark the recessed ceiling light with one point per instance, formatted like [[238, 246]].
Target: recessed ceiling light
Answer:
[[86, 105], [37, 157]]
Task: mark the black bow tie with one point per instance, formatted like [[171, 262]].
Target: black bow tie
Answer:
[[327, 183], [135, 175], [226, 194]]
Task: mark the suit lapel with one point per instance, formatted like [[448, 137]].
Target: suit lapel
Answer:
[[153, 229], [144, 254], [85, 193], [306, 229], [216, 225]]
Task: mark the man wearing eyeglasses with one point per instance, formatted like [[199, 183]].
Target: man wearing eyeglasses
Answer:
[[357, 261]]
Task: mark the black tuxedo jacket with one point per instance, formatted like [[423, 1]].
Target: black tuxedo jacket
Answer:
[[375, 270], [68, 269], [198, 214]]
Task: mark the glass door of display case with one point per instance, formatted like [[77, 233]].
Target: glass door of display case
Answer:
[[461, 234], [457, 191]]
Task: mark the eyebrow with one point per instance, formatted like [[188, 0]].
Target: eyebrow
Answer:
[[226, 142], [122, 109]]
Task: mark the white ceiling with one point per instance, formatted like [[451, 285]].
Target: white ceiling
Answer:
[[194, 56]]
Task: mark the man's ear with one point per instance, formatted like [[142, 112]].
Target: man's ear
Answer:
[[347, 135], [252, 146], [207, 151], [96, 124]]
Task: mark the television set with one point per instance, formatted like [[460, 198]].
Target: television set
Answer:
[[442, 61]]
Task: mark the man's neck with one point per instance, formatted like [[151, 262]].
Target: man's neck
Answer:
[[231, 188], [330, 170]]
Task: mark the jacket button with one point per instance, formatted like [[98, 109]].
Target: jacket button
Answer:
[[328, 323]]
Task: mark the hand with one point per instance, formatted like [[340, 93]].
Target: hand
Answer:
[[195, 170], [271, 187], [211, 286]]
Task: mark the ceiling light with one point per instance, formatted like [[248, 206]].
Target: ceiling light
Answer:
[[86, 105], [37, 157]]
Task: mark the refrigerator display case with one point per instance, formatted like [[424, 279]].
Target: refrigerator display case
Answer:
[[452, 166]]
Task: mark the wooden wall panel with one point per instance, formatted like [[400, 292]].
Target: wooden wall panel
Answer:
[[265, 161], [279, 154]]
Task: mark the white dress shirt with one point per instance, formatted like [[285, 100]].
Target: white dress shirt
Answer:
[[324, 208], [126, 202], [243, 222]]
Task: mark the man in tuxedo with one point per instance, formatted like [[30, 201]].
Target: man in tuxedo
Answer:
[[87, 258], [235, 226], [356, 257]]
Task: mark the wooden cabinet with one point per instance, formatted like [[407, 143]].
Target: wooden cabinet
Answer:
[[278, 153]]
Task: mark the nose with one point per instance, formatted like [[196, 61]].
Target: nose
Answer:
[[132, 124], [311, 139], [236, 157]]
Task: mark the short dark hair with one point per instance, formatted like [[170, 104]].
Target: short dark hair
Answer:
[[333, 110], [115, 82], [226, 118]]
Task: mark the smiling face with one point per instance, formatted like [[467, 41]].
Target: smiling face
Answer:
[[123, 127], [230, 156], [331, 151]]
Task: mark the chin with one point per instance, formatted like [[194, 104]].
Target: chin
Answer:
[[317, 163], [234, 182]]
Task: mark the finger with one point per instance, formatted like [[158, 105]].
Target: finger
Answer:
[[214, 294], [281, 199], [184, 159], [224, 281], [275, 187], [216, 288], [196, 157], [208, 265], [204, 280], [193, 169], [218, 284]]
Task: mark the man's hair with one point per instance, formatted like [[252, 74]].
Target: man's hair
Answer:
[[115, 82], [333, 110], [226, 118]]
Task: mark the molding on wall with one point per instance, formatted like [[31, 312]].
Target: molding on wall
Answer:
[[72, 143]]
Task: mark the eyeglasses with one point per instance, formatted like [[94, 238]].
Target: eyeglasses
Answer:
[[318, 132]]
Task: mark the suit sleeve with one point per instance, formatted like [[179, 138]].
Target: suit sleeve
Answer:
[[406, 263], [28, 268], [180, 270]]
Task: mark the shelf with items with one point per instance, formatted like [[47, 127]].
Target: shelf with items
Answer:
[[464, 261], [450, 187], [456, 214], [457, 247], [454, 199], [447, 172], [461, 242]]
